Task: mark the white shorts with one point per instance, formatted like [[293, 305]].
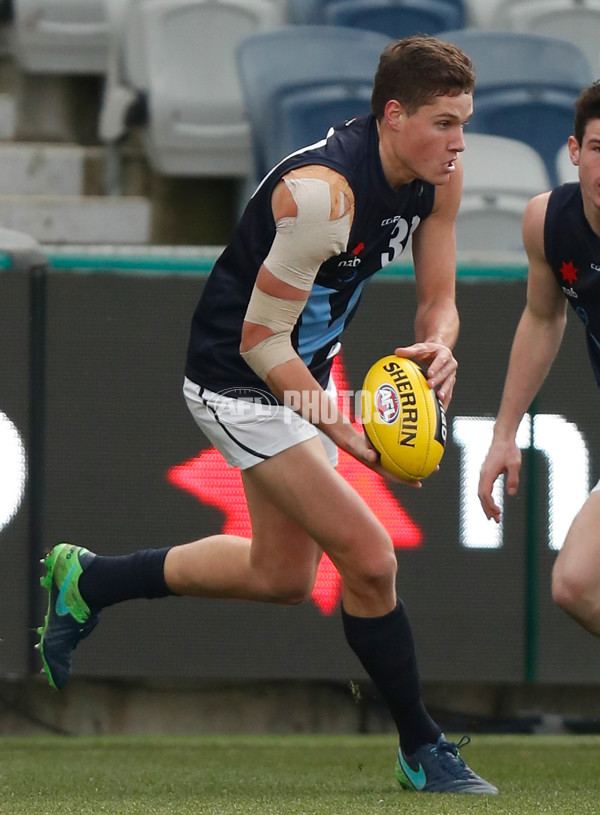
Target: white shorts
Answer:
[[251, 429]]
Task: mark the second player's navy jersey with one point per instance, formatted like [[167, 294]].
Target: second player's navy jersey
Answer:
[[383, 220], [572, 250]]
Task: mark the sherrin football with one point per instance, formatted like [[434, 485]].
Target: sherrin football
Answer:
[[403, 418]]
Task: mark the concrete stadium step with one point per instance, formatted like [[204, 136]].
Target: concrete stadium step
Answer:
[[77, 218], [37, 168]]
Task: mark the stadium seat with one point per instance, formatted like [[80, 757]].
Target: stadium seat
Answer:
[[179, 55], [526, 86], [396, 18], [304, 12], [125, 86], [300, 80], [566, 171], [490, 224], [60, 36], [500, 176], [495, 164], [480, 13], [126, 76], [376, 14], [577, 21]]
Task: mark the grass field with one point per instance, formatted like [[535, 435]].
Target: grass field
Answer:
[[284, 775]]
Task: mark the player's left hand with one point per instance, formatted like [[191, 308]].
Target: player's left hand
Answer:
[[440, 366]]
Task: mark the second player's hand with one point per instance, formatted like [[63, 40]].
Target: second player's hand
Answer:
[[502, 459]]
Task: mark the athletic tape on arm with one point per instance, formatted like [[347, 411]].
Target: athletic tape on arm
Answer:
[[280, 316], [320, 230], [267, 354]]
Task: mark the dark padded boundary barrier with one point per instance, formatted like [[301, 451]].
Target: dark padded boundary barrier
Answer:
[[116, 463]]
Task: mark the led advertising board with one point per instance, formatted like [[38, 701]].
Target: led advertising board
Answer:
[[125, 467]]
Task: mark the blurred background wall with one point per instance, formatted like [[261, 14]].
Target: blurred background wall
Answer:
[[128, 145], [97, 435]]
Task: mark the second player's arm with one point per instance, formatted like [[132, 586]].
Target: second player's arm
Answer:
[[535, 345]]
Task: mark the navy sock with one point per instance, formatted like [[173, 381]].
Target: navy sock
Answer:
[[110, 580], [385, 647]]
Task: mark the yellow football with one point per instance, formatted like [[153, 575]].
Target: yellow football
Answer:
[[403, 418]]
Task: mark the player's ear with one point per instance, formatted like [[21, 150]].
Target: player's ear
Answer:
[[394, 113], [573, 146]]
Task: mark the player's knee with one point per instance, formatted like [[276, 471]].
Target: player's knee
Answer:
[[570, 591], [376, 573]]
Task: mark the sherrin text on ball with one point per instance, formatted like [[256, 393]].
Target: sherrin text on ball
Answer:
[[403, 418]]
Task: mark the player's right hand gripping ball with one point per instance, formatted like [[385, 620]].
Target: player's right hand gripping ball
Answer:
[[403, 418]]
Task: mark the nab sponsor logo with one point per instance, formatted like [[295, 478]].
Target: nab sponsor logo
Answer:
[[350, 263], [387, 403]]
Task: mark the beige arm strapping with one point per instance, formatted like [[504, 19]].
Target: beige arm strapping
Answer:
[[303, 243], [280, 316], [320, 230]]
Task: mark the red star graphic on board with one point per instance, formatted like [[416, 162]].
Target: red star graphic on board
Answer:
[[208, 477], [569, 272]]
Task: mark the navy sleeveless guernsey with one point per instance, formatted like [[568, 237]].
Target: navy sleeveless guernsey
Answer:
[[383, 221], [572, 250]]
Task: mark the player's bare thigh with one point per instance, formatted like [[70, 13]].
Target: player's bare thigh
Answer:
[[280, 550], [578, 562], [301, 483]]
